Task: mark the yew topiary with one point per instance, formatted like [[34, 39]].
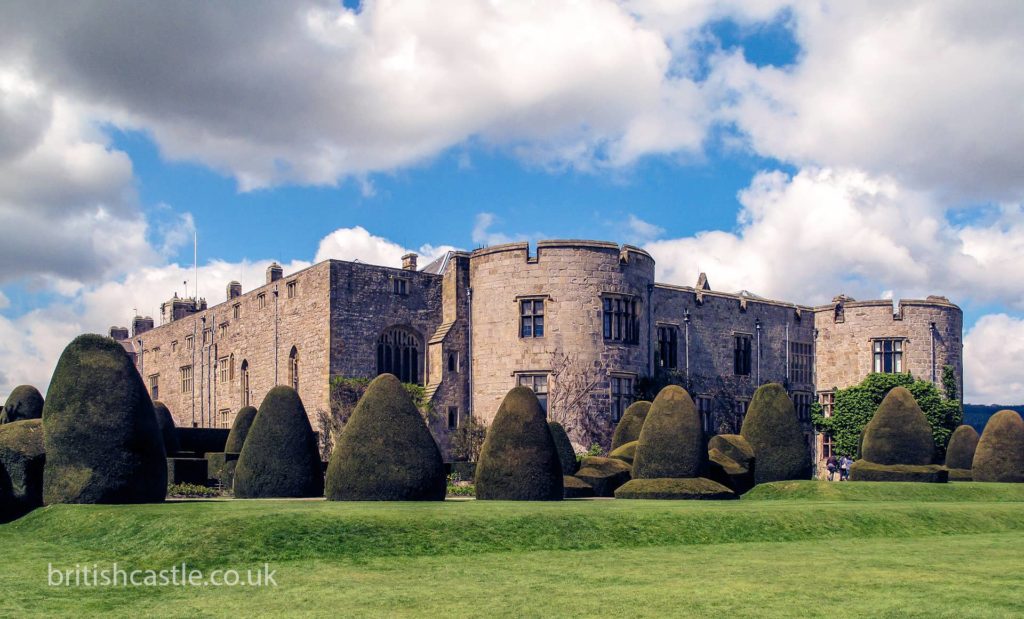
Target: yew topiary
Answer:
[[566, 454], [21, 468], [628, 428], [625, 452], [280, 457], [167, 430], [731, 462], [1000, 452], [899, 433], [604, 475], [772, 429], [671, 443], [240, 429], [575, 488], [102, 441], [960, 453], [24, 402], [518, 460], [863, 470], [686, 488], [386, 452]]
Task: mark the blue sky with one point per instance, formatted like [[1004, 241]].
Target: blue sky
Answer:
[[795, 150]]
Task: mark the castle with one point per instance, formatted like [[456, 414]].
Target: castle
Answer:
[[583, 323]]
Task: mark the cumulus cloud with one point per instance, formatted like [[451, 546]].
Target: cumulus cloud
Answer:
[[358, 244], [994, 354]]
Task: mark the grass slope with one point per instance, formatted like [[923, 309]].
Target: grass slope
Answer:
[[959, 492]]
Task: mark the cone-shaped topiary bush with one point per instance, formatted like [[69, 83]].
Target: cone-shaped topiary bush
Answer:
[[240, 429], [566, 454], [167, 430], [628, 429], [625, 452], [1000, 452], [102, 441], [898, 433], [960, 453], [575, 488], [731, 462], [25, 402], [671, 443], [280, 456], [604, 475], [772, 429], [21, 468], [518, 460], [386, 452]]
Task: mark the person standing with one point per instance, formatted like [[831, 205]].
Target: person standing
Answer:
[[844, 468], [831, 464]]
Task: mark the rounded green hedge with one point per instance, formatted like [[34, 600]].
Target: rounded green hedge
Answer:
[[1000, 452], [518, 460], [386, 452], [575, 488], [731, 462], [625, 452], [280, 456], [688, 488], [863, 470], [604, 475], [24, 402], [167, 430], [21, 467], [961, 448], [898, 433], [772, 429], [632, 422], [566, 454], [103, 444], [240, 429], [671, 443]]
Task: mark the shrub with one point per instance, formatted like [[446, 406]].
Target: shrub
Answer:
[[731, 462], [604, 475], [24, 402], [773, 432], [386, 452], [240, 429], [960, 452], [1000, 452], [102, 441], [191, 491], [576, 488], [566, 455], [467, 440], [899, 432], [960, 474], [628, 429], [280, 456], [459, 488], [671, 443], [168, 432], [863, 470], [187, 471], [689, 488], [220, 467], [625, 452], [519, 460], [21, 467]]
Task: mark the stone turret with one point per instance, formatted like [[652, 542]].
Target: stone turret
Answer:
[[119, 333], [141, 324]]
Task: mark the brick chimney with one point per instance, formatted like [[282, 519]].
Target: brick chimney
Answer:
[[409, 262], [119, 333], [234, 290], [274, 273]]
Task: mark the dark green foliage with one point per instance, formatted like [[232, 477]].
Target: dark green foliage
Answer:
[[467, 439], [21, 468], [671, 443], [518, 460], [950, 388], [1000, 452], [604, 475], [960, 453], [628, 429], [855, 406], [165, 422], [465, 470], [772, 430], [731, 462], [566, 454], [187, 471], [240, 429], [220, 467], [103, 444], [898, 433], [575, 488], [961, 475], [280, 456], [24, 402], [191, 491], [863, 470], [386, 452], [625, 452], [690, 488]]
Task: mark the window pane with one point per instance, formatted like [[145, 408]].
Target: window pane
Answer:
[[538, 326]]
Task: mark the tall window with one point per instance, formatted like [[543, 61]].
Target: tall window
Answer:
[[621, 319], [224, 415], [740, 407], [800, 363], [704, 404], [622, 395], [261, 300], [236, 310], [539, 384], [453, 362], [802, 403], [292, 289], [668, 346], [154, 386], [741, 355], [243, 382], [293, 368], [190, 342], [222, 369], [531, 318], [398, 353], [186, 378], [826, 445], [888, 356], [827, 399], [401, 285], [222, 330], [453, 417], [174, 346]]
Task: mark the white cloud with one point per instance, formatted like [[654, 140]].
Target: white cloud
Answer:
[[483, 235], [640, 231], [358, 243], [994, 354]]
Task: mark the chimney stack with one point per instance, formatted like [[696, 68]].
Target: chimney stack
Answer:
[[141, 325], [119, 333], [409, 262], [234, 290], [274, 273]]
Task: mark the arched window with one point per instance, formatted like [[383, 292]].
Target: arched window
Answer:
[[244, 382], [398, 353], [293, 368]]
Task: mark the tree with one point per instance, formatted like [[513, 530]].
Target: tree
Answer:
[[573, 382], [467, 440], [725, 418]]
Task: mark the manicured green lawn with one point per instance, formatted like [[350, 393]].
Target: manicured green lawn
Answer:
[[787, 557]]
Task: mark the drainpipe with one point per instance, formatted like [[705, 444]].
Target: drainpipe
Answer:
[[757, 327], [275, 335], [788, 377], [686, 338], [193, 394], [650, 348], [933, 351], [469, 349]]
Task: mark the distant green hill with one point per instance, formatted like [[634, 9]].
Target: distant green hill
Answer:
[[977, 414]]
